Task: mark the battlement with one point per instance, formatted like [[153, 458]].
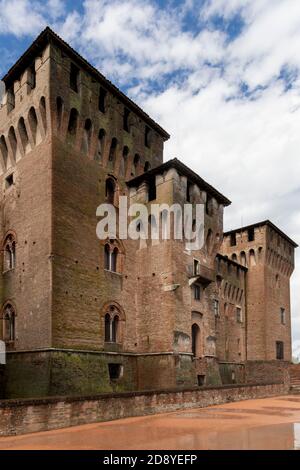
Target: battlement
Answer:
[[261, 243], [86, 111]]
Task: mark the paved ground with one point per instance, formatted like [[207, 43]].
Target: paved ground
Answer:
[[272, 423]]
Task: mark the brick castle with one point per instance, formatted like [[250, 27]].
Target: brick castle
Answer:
[[79, 315]]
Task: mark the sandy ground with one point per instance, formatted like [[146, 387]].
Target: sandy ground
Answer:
[[272, 423]]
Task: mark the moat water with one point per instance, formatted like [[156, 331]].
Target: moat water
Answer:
[[269, 424]]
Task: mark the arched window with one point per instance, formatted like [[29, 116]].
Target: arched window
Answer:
[[114, 333], [113, 150], [114, 260], [73, 122], [243, 258], [87, 136], [9, 323], [136, 164], [107, 328], [111, 257], [123, 164], [9, 253], [252, 258], [114, 318], [43, 112], [100, 146], [110, 187], [195, 340], [234, 257]]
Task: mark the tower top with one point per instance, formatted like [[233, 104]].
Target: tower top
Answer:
[[267, 223], [48, 36]]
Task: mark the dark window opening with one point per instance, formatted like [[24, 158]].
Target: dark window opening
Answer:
[[233, 239], [251, 235], [195, 339], [107, 328], [196, 267], [201, 380], [188, 191], [115, 371], [73, 121], [152, 189], [147, 136], [74, 78], [110, 190], [279, 350], [126, 119], [32, 76], [102, 99], [9, 180], [10, 99]]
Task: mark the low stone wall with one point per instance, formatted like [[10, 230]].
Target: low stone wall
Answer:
[[33, 415], [267, 371]]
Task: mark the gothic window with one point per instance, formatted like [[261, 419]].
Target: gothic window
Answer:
[[9, 323], [9, 253], [113, 319], [112, 257]]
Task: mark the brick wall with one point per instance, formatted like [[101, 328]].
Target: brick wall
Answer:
[[28, 416]]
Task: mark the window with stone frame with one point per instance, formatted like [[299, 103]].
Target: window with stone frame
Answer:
[[9, 326], [9, 261]]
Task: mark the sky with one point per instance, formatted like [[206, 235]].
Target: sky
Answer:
[[222, 76]]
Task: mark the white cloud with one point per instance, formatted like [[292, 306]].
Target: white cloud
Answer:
[[20, 17]]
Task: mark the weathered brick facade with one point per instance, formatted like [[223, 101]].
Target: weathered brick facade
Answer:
[[65, 131]]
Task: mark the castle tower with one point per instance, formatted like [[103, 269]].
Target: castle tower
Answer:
[[269, 256]]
